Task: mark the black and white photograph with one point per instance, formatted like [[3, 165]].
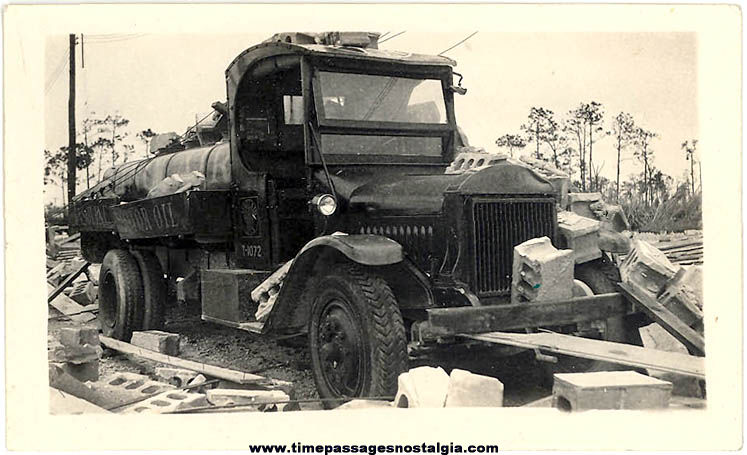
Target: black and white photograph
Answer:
[[337, 221]]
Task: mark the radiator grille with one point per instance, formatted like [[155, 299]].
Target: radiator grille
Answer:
[[500, 225], [415, 238]]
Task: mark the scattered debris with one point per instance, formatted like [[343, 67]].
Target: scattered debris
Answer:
[[238, 377], [158, 341], [541, 272], [178, 377], [262, 399], [609, 390], [64, 305], [169, 401]]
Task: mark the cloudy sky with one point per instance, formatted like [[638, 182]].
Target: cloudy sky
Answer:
[[162, 81]]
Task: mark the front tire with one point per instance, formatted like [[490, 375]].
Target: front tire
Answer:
[[356, 336], [120, 295]]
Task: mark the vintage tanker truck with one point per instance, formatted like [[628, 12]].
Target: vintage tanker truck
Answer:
[[333, 156]]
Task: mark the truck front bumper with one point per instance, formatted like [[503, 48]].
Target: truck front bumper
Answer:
[[448, 322]]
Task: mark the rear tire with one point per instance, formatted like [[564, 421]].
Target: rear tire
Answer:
[[154, 289], [356, 336], [120, 295]]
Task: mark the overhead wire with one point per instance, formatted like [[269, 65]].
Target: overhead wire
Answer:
[[457, 44], [392, 37], [59, 69]]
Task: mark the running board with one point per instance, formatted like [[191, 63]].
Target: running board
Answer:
[[587, 348]]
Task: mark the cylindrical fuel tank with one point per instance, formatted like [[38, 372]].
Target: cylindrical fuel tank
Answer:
[[134, 179]]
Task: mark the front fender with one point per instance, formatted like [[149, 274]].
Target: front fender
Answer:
[[363, 249], [291, 309]]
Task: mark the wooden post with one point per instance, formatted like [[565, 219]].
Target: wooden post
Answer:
[[71, 159]]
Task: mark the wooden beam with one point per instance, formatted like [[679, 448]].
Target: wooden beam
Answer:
[[67, 281], [623, 354], [238, 377], [70, 308], [452, 321], [692, 340]]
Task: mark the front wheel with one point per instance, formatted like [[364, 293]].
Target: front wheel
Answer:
[[356, 336]]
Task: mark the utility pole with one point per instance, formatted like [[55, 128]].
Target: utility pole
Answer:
[[71, 151]]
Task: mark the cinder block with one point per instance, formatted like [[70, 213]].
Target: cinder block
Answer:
[[223, 397], [609, 390], [121, 388], [176, 376], [84, 293], [541, 272], [422, 387], [647, 268], [175, 400], [83, 372], [78, 336], [156, 340], [77, 354], [613, 242], [683, 301], [580, 203], [581, 235], [473, 390]]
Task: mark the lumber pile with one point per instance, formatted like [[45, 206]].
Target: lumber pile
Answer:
[[681, 248]]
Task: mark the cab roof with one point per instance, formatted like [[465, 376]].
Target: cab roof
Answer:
[[358, 46]]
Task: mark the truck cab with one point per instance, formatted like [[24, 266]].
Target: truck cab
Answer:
[[330, 210]]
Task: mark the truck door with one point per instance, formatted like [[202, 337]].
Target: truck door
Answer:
[[253, 224]]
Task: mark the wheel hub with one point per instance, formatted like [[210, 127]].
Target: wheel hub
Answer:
[[340, 349]]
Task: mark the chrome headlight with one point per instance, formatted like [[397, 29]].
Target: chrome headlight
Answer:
[[325, 204]]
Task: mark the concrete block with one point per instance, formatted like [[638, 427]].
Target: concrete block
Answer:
[[613, 217], [683, 301], [175, 400], [156, 340], [84, 293], [78, 336], [581, 235], [83, 372], [541, 272], [609, 390], [176, 376], [73, 354], [655, 337], [580, 203], [120, 388], [473, 390], [422, 387], [613, 242], [647, 268]]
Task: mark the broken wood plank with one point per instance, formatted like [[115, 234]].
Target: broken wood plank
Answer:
[[67, 281], [452, 321], [623, 354], [66, 306], [72, 238], [238, 377], [692, 340]]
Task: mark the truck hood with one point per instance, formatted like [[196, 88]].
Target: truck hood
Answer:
[[424, 194]]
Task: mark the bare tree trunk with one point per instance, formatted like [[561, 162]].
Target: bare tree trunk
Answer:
[[692, 175], [617, 185], [537, 139]]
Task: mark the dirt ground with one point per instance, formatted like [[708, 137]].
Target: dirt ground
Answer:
[[288, 360]]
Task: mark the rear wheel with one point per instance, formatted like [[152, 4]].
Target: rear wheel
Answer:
[[154, 289], [356, 336], [120, 295]]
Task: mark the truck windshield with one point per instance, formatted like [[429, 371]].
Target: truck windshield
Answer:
[[366, 97]]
